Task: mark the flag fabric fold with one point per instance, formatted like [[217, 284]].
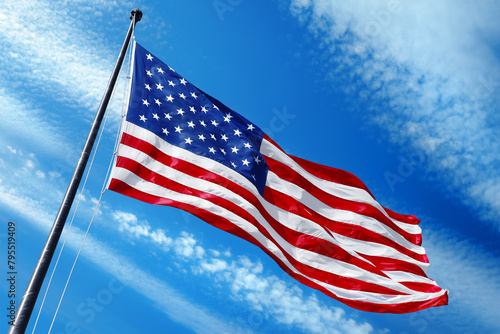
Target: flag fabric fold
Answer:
[[182, 148]]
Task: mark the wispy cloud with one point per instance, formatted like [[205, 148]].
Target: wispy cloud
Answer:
[[266, 295], [430, 77], [52, 57], [20, 121], [468, 271], [168, 300], [471, 274]]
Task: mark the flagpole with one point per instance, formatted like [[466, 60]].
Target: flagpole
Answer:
[[28, 301]]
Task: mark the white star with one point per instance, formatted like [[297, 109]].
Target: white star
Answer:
[[170, 98], [253, 177], [183, 81], [247, 145], [203, 123], [159, 86], [213, 136], [201, 137], [149, 56], [194, 95], [237, 132], [182, 96], [148, 72], [211, 149], [157, 102], [171, 69], [145, 102], [223, 152], [148, 87], [250, 127], [180, 111], [160, 70], [165, 132], [192, 109], [188, 141], [204, 109], [143, 118], [229, 116], [214, 123], [167, 116], [215, 107], [171, 83], [223, 137], [257, 160], [234, 165], [155, 116], [245, 162], [191, 125], [234, 149], [227, 119], [178, 129]]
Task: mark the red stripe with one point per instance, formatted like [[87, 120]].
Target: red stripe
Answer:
[[390, 264], [224, 224], [288, 203], [293, 237], [422, 287], [201, 173], [331, 174], [290, 175], [409, 219], [342, 177], [324, 172]]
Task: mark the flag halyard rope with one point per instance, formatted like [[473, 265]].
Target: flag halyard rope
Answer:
[[77, 204]]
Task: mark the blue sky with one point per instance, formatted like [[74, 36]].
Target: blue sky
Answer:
[[403, 95]]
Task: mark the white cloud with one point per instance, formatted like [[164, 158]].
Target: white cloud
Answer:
[[124, 217], [471, 274], [12, 150], [168, 300], [21, 120], [55, 51], [267, 295], [431, 74], [129, 223], [185, 247], [30, 164]]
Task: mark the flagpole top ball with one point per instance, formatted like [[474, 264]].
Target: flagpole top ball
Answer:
[[137, 13]]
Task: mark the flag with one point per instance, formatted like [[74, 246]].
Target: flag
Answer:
[[180, 147]]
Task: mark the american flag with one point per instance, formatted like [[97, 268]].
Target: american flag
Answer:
[[181, 147]]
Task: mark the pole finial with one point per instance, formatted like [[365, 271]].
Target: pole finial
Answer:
[[137, 14]]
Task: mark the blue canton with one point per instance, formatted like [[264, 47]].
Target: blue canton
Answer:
[[164, 103]]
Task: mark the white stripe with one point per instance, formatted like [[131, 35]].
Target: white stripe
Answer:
[[188, 156], [375, 249], [299, 224], [377, 298], [349, 217], [403, 276], [290, 220], [235, 177], [335, 189], [147, 187]]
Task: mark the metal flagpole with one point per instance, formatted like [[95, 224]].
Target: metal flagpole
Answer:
[[28, 301]]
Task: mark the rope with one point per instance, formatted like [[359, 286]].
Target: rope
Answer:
[[122, 114], [103, 189], [74, 263], [76, 209], [69, 227]]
